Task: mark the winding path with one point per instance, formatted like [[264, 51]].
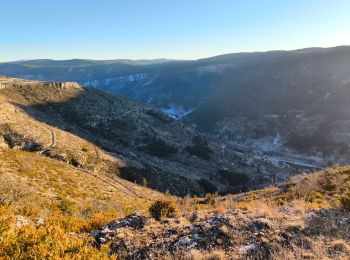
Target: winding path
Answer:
[[52, 144]]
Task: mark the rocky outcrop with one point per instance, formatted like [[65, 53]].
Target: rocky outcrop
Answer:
[[64, 85], [22, 221], [13, 140], [110, 230], [235, 233], [207, 233]]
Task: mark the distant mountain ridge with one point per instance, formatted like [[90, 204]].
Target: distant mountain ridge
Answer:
[[85, 62], [284, 101]]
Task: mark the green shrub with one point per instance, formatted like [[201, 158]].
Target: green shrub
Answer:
[[65, 205], [163, 208]]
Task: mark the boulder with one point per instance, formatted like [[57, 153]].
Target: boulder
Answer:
[[22, 221], [261, 223]]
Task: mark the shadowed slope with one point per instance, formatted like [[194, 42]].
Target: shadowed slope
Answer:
[[142, 143]]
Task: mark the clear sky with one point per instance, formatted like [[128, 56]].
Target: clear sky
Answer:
[[179, 29]]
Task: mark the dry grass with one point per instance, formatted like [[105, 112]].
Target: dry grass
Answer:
[[198, 255], [69, 200]]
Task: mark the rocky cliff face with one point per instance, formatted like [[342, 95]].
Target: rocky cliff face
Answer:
[[67, 85]]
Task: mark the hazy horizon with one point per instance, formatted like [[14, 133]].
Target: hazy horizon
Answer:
[[170, 59]]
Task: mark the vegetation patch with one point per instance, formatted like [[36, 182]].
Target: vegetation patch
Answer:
[[345, 201], [199, 148], [207, 186], [234, 179], [14, 139], [158, 147], [163, 208], [161, 117]]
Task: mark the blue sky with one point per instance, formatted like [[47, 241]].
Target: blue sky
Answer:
[[179, 29]]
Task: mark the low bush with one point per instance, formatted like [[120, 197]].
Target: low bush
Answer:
[[201, 152], [329, 182], [234, 179], [209, 199], [314, 197], [65, 205], [219, 210], [200, 148], [158, 147], [345, 202], [163, 208], [159, 116], [207, 186]]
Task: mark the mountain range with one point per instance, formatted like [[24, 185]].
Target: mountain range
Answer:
[[279, 104]]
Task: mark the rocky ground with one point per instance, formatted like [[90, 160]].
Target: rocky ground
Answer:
[[233, 234], [306, 218]]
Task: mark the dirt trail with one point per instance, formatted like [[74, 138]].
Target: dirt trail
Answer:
[[52, 144]]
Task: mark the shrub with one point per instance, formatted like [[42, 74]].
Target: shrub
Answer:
[[200, 140], [340, 246], [96, 221], [234, 179], [329, 183], [163, 208], [219, 210], [5, 220], [209, 199], [201, 152], [130, 174], [207, 186], [280, 200], [160, 148], [159, 116], [345, 202], [315, 197], [200, 148], [66, 206]]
